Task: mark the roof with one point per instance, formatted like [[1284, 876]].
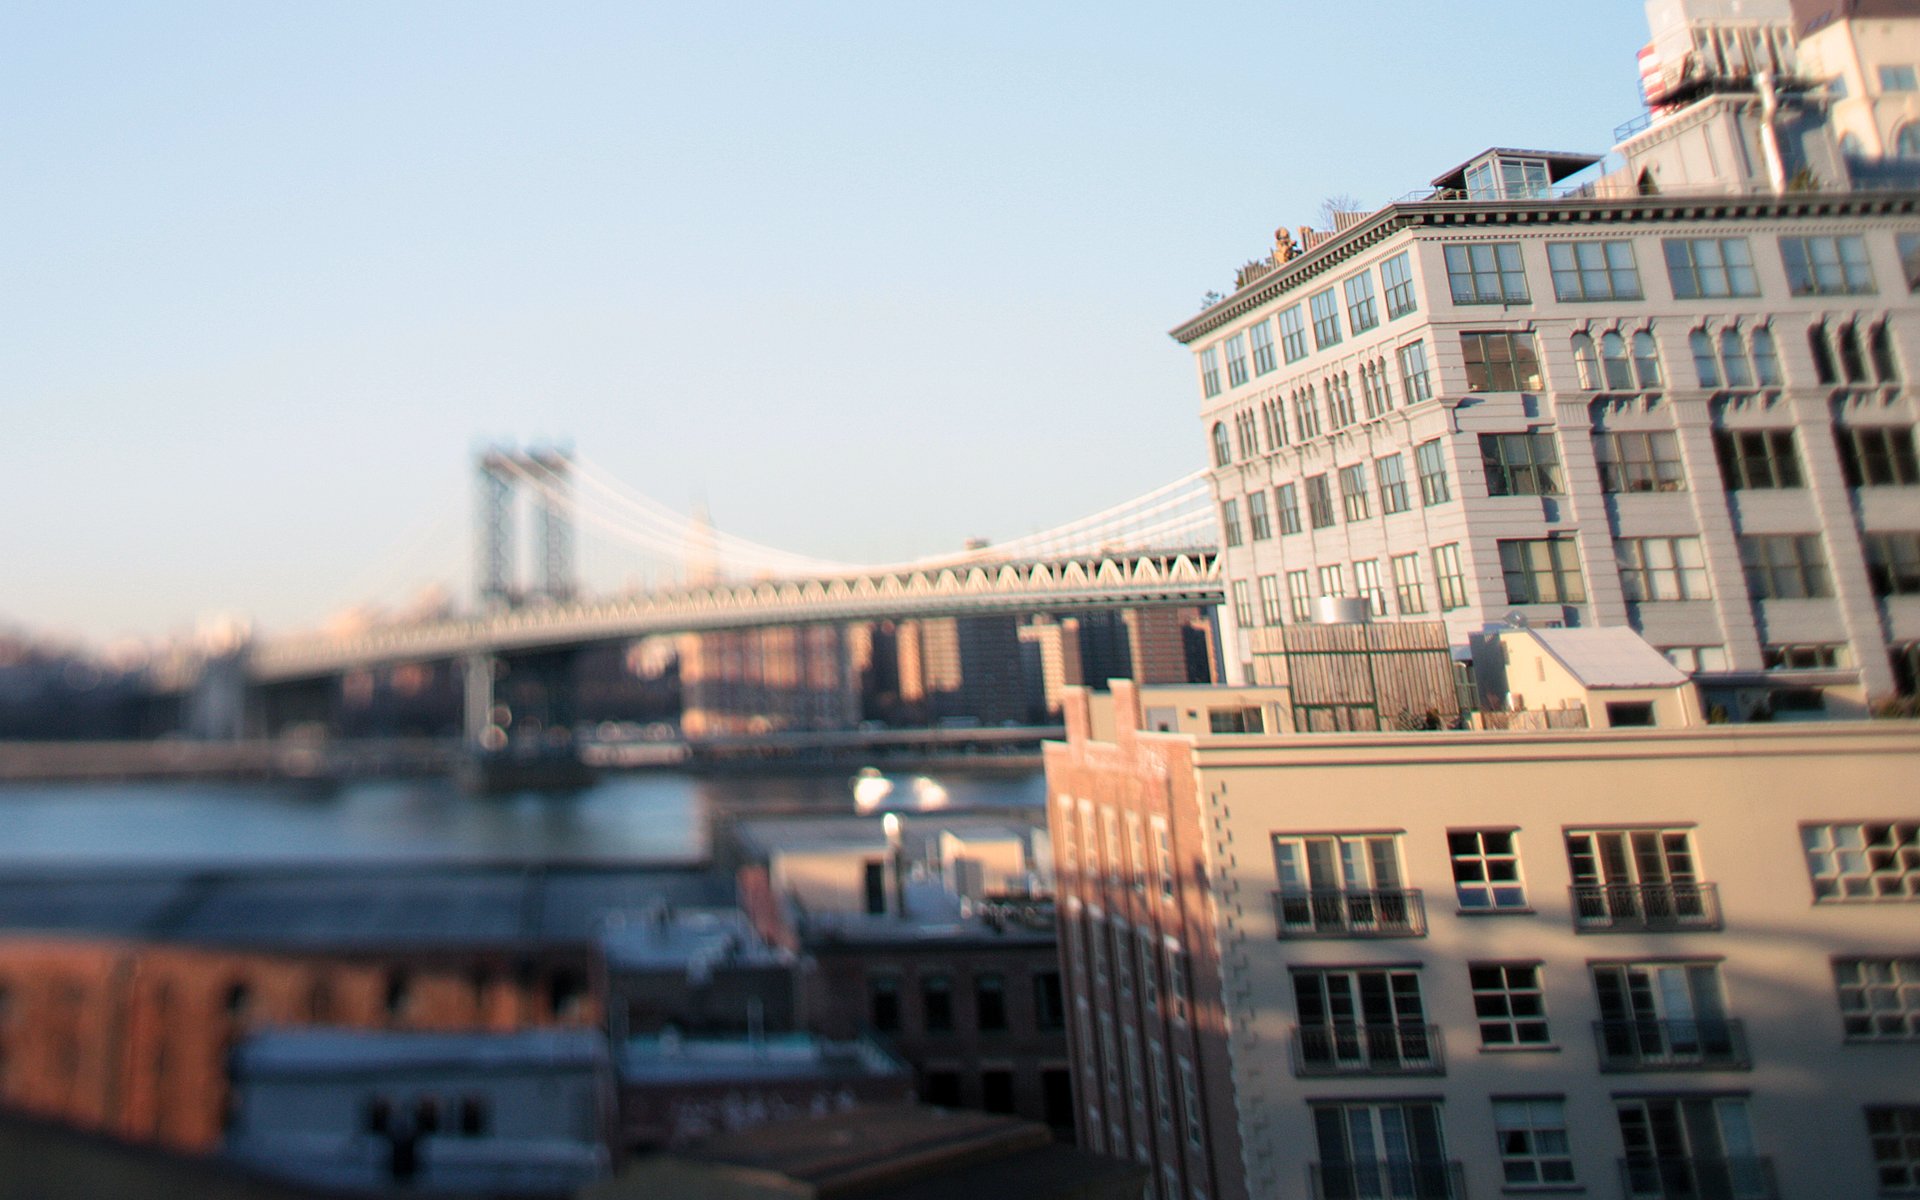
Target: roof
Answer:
[[671, 1060], [1560, 164], [309, 1052], [1609, 657], [695, 940]]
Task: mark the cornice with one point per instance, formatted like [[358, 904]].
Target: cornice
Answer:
[[1456, 214]]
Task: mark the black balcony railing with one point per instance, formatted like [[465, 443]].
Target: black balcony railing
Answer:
[[1698, 1178], [1338, 912], [1716, 1045], [1629, 907], [1391, 1179], [1404, 1049]]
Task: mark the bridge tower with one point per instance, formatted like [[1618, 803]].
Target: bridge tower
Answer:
[[503, 473]]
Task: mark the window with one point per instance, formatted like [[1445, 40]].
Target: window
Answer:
[[1210, 372], [1261, 336], [1242, 604], [1373, 377], [1826, 266], [1392, 472], [1362, 1022], [1757, 458], [1366, 581], [1639, 462], [1273, 420], [1597, 270], [1697, 658], [1326, 319], [1331, 583], [1638, 879], [1870, 861], [1396, 274], [990, 1000], [1319, 502], [1413, 372], [1776, 656], [1259, 523], [1432, 463], [1615, 367], [1353, 491], [1382, 1148], [1733, 360], [1664, 1016], [1361, 313], [1785, 566], [1676, 1144], [1306, 413], [1236, 352], [1300, 595], [1049, 1008], [1286, 498], [1521, 464], [1880, 346], [1534, 1150], [1486, 870], [1448, 578], [1406, 584], [1272, 611], [1646, 359], [1909, 245], [1879, 998], [883, 1002], [1344, 885], [1766, 359], [1893, 563], [1542, 571], [1500, 362], [1486, 273], [1877, 455], [936, 1002], [1710, 268], [1653, 569], [1230, 521], [1893, 1130], [1897, 78], [1293, 335], [1510, 1004], [1222, 449], [1340, 410]]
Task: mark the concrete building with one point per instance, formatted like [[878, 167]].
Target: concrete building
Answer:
[[1674, 397], [1868, 54], [1627, 962]]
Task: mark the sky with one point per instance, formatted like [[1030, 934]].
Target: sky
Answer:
[[864, 279]]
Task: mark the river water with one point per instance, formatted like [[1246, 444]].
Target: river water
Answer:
[[643, 818]]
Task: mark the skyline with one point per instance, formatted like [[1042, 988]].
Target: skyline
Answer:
[[280, 271]]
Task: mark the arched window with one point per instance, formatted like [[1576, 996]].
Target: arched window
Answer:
[[238, 1000], [1380, 382], [1587, 361], [1613, 357], [1823, 368], [399, 997], [1733, 359], [1881, 348], [1906, 143], [1853, 364], [1850, 145], [1646, 359], [1766, 359], [1703, 361], [1222, 452]]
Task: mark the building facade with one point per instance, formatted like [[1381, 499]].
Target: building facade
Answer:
[[1638, 963]]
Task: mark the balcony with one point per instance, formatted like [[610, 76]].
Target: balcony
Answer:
[[1644, 907], [1340, 913], [1719, 1045], [1404, 1049], [1394, 1179], [1698, 1178]]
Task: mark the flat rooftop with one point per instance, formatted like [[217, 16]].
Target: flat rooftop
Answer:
[[666, 1060]]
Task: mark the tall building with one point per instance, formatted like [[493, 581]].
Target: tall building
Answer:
[[1675, 962], [1674, 397]]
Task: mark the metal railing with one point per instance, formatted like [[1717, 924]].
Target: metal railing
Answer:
[[1408, 1048], [1698, 1178], [1655, 1045], [1391, 1179], [1340, 912], [1635, 907]]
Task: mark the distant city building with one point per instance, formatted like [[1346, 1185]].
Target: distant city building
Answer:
[[1675, 398]]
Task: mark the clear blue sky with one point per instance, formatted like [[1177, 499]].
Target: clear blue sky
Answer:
[[870, 278]]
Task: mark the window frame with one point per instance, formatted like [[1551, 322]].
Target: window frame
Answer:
[[1524, 576], [1363, 313], [1515, 369], [1689, 275], [1523, 463], [1497, 276], [1575, 277], [1326, 318], [1396, 281], [1811, 261]]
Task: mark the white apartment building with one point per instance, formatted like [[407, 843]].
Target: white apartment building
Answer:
[[1677, 398]]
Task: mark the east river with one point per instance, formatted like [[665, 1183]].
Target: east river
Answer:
[[647, 818]]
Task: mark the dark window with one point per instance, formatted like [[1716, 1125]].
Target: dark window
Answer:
[[1757, 458], [990, 1000], [1056, 1097], [1319, 502], [426, 1115], [876, 887], [942, 1089], [1625, 713], [1639, 462], [1877, 455], [566, 992], [1235, 720], [1432, 461], [883, 1002], [377, 1117], [1824, 369], [936, 1001], [1893, 563], [1521, 464], [1542, 571], [996, 1091], [1785, 566], [399, 995], [1049, 1009], [1500, 362], [474, 1117]]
